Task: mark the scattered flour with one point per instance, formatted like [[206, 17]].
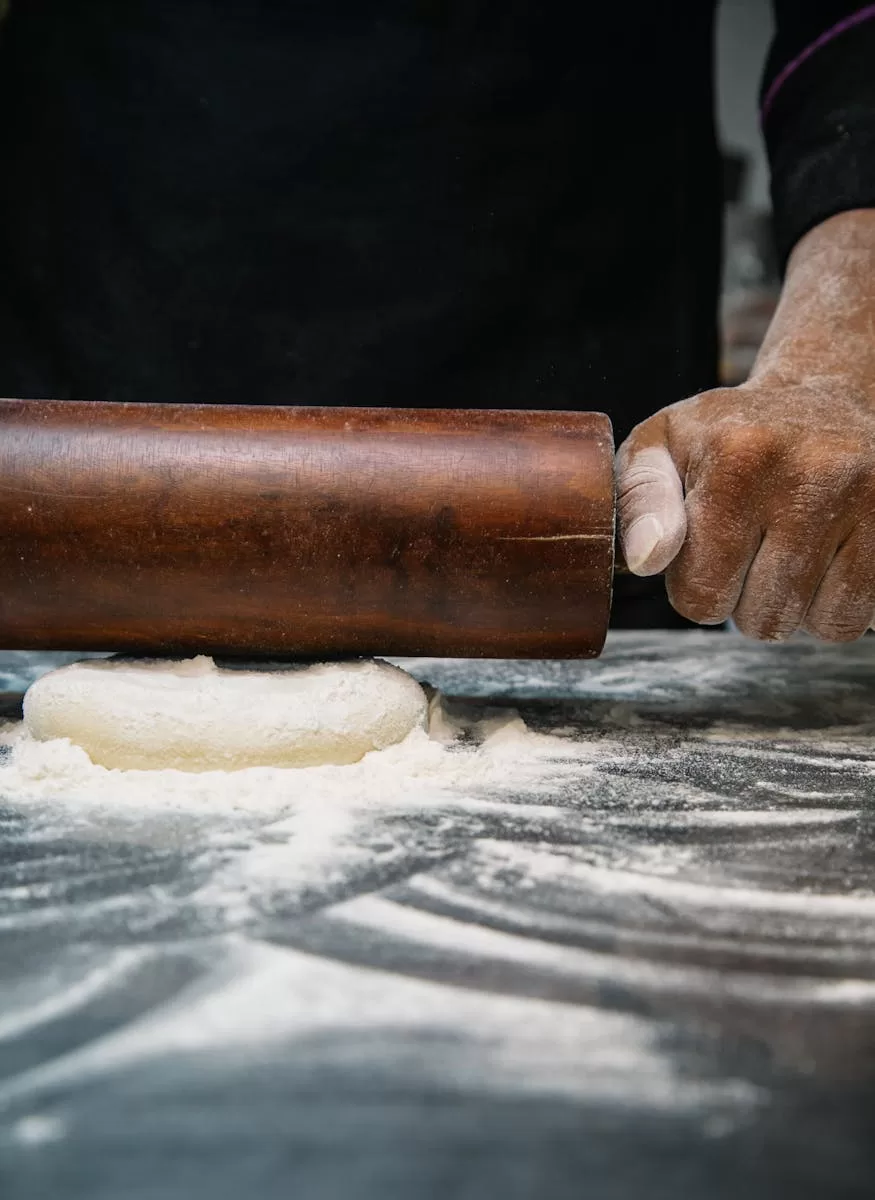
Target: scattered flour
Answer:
[[702, 866], [334, 1014], [449, 757]]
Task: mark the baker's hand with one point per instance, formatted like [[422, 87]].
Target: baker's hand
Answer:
[[759, 501]]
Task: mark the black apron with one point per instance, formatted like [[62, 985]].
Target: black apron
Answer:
[[451, 203]]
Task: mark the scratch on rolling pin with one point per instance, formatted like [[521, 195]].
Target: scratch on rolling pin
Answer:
[[52, 495], [560, 537]]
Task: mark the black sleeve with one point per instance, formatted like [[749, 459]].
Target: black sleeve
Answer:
[[818, 113]]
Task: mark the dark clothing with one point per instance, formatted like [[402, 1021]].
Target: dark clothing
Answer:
[[399, 202], [426, 202], [819, 113], [487, 203]]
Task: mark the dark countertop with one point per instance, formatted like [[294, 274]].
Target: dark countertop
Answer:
[[652, 978]]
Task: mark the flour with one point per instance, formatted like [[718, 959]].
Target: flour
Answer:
[[459, 911], [451, 757], [317, 1010]]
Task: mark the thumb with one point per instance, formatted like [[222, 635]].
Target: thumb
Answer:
[[650, 502]]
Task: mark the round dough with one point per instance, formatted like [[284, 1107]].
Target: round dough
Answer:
[[195, 716]]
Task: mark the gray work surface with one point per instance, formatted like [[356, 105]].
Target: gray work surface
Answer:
[[655, 981]]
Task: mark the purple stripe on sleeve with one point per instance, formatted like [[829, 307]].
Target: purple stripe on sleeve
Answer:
[[864, 14]]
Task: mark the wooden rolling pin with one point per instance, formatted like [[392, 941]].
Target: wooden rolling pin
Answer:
[[304, 532]]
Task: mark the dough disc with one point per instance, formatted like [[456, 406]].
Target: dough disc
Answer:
[[196, 716]]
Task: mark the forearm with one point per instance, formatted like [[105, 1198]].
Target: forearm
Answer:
[[824, 328], [759, 501]]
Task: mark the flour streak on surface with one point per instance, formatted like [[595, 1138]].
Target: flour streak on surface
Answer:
[[529, 899], [488, 753]]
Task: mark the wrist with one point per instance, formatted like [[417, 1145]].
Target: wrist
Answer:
[[823, 332]]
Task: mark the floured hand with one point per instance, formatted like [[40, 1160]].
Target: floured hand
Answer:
[[759, 501]]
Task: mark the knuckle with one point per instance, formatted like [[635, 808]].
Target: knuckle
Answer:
[[835, 631], [838, 623], [698, 602], [765, 626], [827, 456], [746, 447], [773, 605], [845, 633], [818, 473]]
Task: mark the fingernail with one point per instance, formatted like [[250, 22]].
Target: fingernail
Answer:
[[642, 538]]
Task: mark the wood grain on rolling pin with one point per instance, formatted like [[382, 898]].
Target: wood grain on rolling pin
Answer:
[[303, 531]]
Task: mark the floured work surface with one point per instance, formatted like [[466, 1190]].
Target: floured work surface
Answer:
[[642, 967]]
